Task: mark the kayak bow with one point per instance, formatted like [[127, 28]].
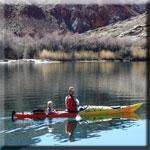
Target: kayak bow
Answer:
[[90, 110]]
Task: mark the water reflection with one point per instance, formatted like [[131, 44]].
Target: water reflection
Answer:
[[70, 126], [79, 67], [107, 117], [63, 130], [139, 69], [107, 67], [30, 86], [91, 125]]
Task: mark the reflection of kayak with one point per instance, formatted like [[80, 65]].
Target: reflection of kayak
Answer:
[[108, 117], [89, 110]]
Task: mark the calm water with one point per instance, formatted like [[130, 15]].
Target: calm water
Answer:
[[24, 87]]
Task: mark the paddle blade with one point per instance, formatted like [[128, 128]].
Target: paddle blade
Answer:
[[78, 117]]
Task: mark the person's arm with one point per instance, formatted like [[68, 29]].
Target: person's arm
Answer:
[[77, 102], [54, 110]]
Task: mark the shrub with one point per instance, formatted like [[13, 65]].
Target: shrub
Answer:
[[1, 50], [71, 46], [124, 53]]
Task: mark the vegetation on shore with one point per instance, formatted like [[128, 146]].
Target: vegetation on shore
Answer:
[[137, 54], [70, 46]]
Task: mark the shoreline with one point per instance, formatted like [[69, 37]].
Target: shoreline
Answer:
[[47, 61]]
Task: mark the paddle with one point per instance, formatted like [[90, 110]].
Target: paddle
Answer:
[[78, 117], [12, 114], [80, 108]]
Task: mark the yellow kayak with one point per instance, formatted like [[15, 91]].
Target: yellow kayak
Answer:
[[95, 110]]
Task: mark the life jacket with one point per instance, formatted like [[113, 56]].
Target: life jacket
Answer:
[[70, 104], [49, 110]]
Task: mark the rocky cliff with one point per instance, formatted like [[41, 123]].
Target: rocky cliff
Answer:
[[35, 20]]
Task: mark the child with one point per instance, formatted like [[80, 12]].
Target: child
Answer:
[[50, 107]]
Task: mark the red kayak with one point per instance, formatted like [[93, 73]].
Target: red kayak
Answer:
[[43, 114]]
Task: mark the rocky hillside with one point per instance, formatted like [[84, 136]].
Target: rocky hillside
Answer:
[[132, 29], [35, 20], [31, 31]]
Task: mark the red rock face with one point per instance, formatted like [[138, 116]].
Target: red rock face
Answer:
[[76, 18], [83, 18], [98, 22]]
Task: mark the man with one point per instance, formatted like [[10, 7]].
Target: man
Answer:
[[71, 103]]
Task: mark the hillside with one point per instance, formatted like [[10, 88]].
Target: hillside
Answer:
[[133, 29], [66, 32], [39, 19]]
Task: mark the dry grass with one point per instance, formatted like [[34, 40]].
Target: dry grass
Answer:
[[57, 55], [105, 54], [138, 53], [86, 55]]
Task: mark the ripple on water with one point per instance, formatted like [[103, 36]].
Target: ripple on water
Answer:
[[13, 130], [5, 118]]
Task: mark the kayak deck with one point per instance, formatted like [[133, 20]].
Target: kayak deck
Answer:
[[90, 110]]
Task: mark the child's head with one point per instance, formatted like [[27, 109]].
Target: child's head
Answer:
[[50, 104]]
